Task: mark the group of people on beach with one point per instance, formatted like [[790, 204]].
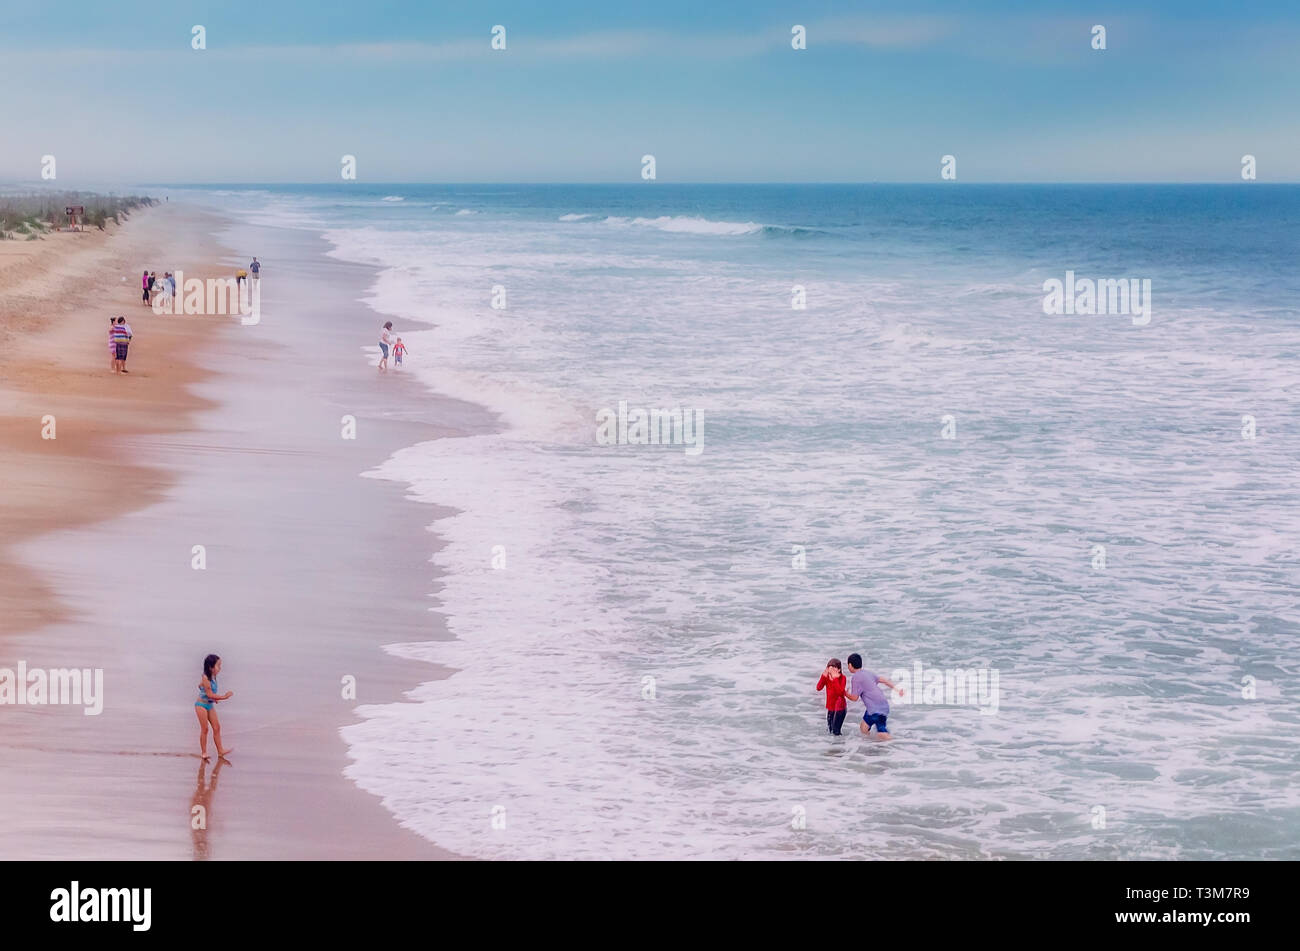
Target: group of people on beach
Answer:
[[253, 272], [150, 285], [859, 685], [385, 342]]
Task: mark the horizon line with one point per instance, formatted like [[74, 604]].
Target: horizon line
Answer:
[[47, 187], [945, 184]]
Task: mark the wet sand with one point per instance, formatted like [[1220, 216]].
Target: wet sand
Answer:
[[236, 445]]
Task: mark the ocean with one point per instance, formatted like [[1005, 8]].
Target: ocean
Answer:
[[1097, 512]]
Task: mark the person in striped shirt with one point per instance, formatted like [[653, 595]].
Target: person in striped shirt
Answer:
[[121, 340]]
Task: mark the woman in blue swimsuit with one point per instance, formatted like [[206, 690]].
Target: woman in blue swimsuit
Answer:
[[206, 706]]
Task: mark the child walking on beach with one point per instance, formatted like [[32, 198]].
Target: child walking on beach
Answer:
[[121, 336], [862, 686], [206, 706], [399, 349], [832, 680]]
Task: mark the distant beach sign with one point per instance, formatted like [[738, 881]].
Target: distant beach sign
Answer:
[[75, 212]]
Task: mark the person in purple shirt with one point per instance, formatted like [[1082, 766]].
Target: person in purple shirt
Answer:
[[863, 686]]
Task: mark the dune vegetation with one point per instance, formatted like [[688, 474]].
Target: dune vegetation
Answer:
[[32, 216]]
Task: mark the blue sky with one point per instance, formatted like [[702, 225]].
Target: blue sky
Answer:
[[712, 90]]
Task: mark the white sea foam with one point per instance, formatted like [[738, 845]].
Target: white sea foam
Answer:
[[687, 225], [393, 198], [573, 217]]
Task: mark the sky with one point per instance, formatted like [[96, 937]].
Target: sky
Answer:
[[713, 90]]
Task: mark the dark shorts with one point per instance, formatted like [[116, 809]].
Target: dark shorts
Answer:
[[835, 720], [384, 347], [119, 351], [877, 720]]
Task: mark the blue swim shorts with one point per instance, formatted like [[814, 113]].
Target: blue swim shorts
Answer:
[[877, 720]]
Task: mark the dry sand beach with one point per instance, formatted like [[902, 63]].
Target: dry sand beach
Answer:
[[56, 294], [223, 436]]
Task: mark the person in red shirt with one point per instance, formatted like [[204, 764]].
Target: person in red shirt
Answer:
[[833, 681]]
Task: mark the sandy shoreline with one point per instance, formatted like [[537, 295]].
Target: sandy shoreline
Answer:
[[55, 297], [228, 437]]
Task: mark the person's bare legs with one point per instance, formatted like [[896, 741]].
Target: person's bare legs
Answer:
[[203, 731], [866, 731], [216, 733]]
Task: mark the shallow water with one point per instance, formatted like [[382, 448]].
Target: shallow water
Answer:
[[637, 680]]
